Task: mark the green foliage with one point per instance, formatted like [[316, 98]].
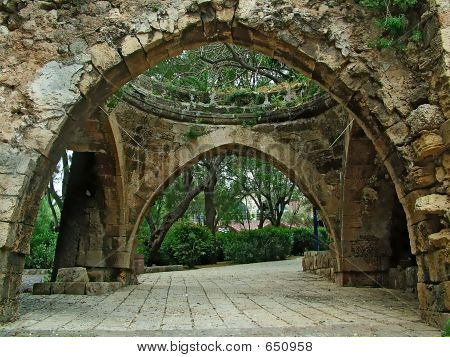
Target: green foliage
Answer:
[[393, 24], [239, 97], [259, 245], [416, 36], [189, 244], [303, 240], [380, 43], [446, 329], [43, 239], [277, 101], [194, 132], [113, 100], [213, 68], [142, 237], [404, 4], [248, 123]]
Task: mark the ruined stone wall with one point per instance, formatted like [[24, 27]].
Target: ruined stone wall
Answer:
[[320, 262], [324, 263]]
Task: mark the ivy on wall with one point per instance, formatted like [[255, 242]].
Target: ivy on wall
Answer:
[[396, 26]]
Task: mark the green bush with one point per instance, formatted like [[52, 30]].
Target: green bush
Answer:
[[189, 244], [446, 330], [259, 245], [43, 240], [304, 240]]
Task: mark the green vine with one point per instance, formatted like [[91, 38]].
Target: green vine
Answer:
[[396, 30], [194, 132]]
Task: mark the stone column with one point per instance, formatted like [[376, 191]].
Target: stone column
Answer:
[[367, 203], [11, 267]]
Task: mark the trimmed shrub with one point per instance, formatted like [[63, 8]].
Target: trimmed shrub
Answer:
[[304, 240], [446, 329], [259, 245], [189, 244]]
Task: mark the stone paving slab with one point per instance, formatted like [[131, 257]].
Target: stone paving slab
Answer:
[[262, 299]]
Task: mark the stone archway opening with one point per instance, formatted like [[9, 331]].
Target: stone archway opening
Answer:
[[231, 162]]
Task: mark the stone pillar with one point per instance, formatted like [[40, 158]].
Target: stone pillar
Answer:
[[367, 203], [82, 194], [11, 267], [433, 260], [92, 234]]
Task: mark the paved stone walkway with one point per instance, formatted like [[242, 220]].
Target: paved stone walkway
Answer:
[[263, 299]]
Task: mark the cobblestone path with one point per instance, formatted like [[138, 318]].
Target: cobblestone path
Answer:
[[263, 299]]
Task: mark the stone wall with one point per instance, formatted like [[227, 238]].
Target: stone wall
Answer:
[[324, 263], [320, 262], [402, 278]]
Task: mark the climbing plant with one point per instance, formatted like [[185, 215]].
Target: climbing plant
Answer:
[[194, 131], [395, 23]]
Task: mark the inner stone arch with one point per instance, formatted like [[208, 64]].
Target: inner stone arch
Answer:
[[289, 168]]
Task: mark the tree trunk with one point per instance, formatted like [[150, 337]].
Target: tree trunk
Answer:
[[54, 214], [261, 219], [159, 234], [210, 208]]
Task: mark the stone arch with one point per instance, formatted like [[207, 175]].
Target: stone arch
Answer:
[[244, 142], [331, 51]]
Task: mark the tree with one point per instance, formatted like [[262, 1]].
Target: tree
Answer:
[[55, 200], [192, 186], [222, 66], [215, 192], [270, 189]]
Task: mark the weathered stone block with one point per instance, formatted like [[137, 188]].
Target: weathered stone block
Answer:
[[420, 232], [8, 310], [42, 289], [11, 262], [435, 266], [398, 133], [76, 274], [8, 208], [441, 239], [428, 145], [445, 132], [78, 288], [134, 55], [421, 176], [433, 204], [365, 264], [57, 288], [396, 277], [411, 278], [425, 117], [434, 297], [99, 288], [96, 276], [104, 57], [9, 285], [409, 202]]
